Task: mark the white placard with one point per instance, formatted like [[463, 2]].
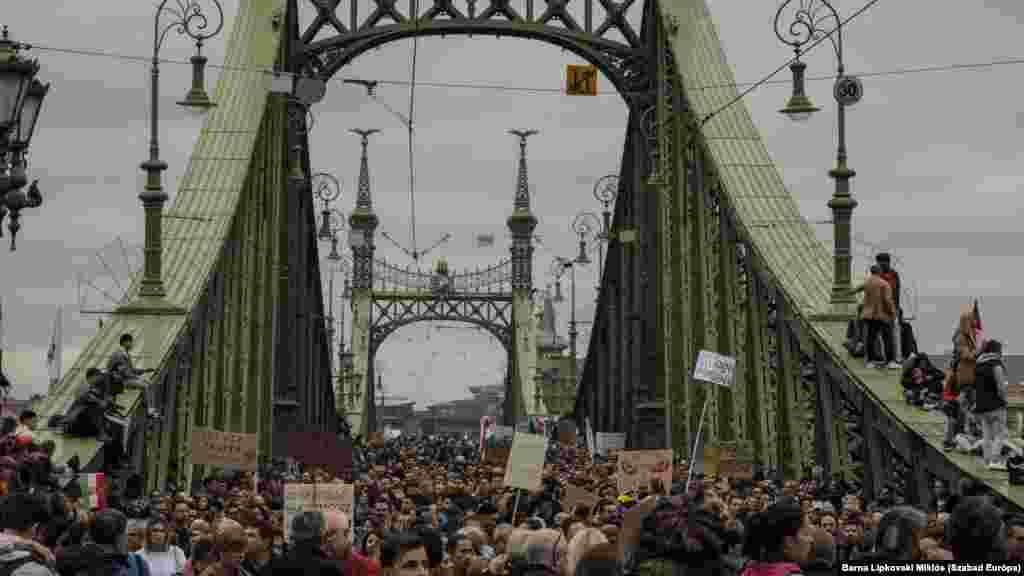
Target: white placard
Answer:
[[526, 462], [606, 441], [715, 368]]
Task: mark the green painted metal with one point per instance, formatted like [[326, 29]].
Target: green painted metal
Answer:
[[230, 269], [213, 191]]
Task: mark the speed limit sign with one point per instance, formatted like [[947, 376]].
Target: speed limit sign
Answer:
[[848, 90]]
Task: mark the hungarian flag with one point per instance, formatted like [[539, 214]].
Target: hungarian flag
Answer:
[[93, 489]]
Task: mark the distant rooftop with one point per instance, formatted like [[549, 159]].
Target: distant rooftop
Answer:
[[393, 400]]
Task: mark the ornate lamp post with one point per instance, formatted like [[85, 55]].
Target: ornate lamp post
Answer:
[[21, 100], [189, 18], [806, 19]]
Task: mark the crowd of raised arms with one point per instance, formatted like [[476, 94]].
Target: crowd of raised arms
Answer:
[[431, 506]]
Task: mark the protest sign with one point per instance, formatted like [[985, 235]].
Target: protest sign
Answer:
[[297, 497], [637, 467], [329, 497], [715, 368], [732, 465], [324, 449], [225, 449], [712, 460], [336, 497], [576, 496], [606, 441], [526, 462]]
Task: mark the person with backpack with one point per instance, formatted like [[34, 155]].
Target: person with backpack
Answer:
[[19, 555]]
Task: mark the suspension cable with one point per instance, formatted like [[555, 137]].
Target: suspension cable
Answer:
[[411, 128]]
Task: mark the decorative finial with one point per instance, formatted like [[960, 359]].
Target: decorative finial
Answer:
[[364, 199], [522, 201], [6, 32]]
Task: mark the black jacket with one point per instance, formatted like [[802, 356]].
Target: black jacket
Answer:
[[303, 561], [988, 389], [91, 559]]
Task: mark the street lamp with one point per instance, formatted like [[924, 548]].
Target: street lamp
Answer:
[[21, 101], [587, 227], [806, 19], [606, 190], [188, 18], [326, 189]]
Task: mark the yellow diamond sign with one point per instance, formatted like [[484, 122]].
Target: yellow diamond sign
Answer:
[[581, 80]]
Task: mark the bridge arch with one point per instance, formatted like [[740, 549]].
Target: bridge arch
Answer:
[[628, 65], [380, 334]]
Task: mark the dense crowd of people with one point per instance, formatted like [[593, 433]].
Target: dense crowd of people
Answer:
[[437, 506], [440, 506]]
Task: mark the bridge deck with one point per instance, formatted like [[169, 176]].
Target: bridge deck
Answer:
[[885, 387]]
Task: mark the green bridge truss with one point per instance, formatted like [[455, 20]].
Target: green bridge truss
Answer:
[[717, 257]]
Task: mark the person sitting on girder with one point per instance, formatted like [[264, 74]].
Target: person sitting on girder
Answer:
[[124, 374], [86, 417]]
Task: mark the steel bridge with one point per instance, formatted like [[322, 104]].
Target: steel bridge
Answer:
[[717, 257]]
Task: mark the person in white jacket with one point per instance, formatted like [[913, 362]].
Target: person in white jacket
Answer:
[[164, 559]]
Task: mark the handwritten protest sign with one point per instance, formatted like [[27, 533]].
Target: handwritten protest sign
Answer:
[[297, 497], [712, 461], [576, 496], [330, 497], [637, 467], [606, 441], [715, 368], [336, 497], [225, 449], [733, 466], [497, 456], [526, 462]]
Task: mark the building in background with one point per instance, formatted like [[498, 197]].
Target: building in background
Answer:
[[462, 416], [395, 412]]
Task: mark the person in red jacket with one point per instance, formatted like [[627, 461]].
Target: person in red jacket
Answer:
[[892, 277]]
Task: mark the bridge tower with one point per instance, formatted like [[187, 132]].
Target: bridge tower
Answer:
[[359, 404], [521, 223]]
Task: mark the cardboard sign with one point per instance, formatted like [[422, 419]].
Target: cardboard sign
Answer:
[[526, 462], [324, 449], [637, 467], [337, 497], [712, 461], [715, 368], [497, 456], [301, 497], [606, 441], [574, 495], [297, 498], [225, 449], [732, 466]]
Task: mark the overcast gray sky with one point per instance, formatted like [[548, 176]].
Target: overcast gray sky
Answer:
[[936, 155]]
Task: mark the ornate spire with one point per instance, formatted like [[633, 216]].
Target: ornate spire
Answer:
[[363, 222], [364, 200], [522, 222], [523, 181]]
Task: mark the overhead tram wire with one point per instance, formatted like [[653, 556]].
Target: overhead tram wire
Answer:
[[412, 138], [806, 50], [539, 91]]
